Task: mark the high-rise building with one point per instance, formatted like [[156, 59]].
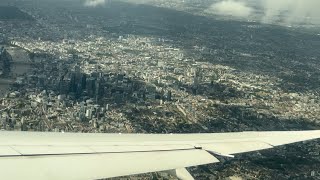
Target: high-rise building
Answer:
[[89, 113], [91, 86], [64, 85], [5, 60], [169, 96]]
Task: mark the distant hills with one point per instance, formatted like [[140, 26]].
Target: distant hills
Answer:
[[13, 13]]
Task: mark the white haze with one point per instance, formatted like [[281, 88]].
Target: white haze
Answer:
[[231, 8], [94, 3], [291, 11], [270, 11]]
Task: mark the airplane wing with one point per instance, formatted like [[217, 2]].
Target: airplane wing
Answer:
[[30, 155]]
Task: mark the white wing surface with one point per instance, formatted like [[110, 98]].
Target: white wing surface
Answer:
[[28, 155]]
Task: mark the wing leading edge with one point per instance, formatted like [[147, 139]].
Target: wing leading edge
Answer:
[[26, 155]]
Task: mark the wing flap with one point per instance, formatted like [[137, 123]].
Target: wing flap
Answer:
[[98, 166], [139, 148], [58, 150], [8, 151], [47, 150]]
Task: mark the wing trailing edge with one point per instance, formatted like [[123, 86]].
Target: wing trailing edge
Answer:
[[25, 155]]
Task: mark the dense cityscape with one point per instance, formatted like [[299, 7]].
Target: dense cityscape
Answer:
[[140, 68]]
